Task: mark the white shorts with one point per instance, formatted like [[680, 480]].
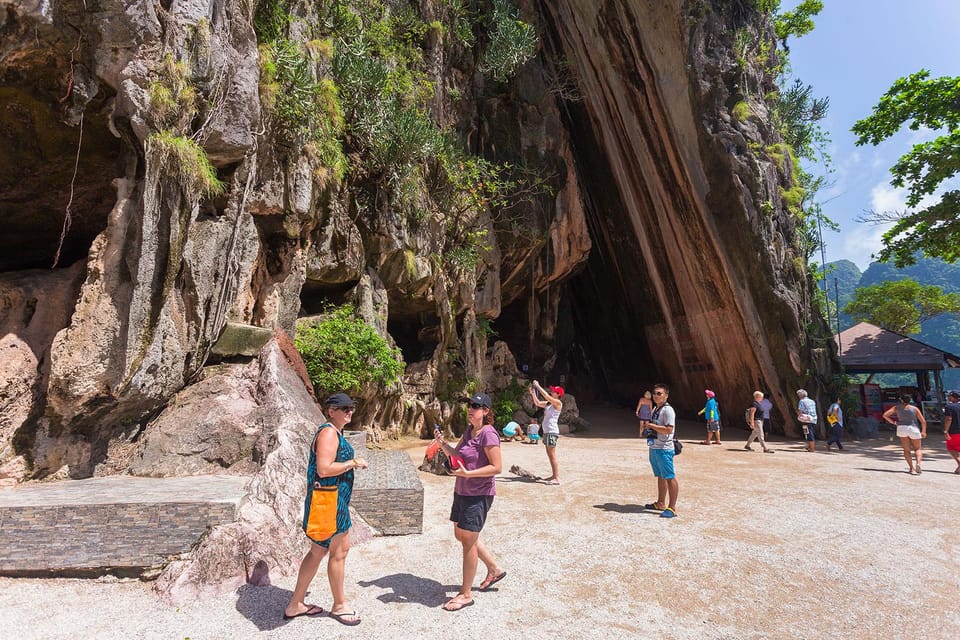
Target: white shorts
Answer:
[[908, 431]]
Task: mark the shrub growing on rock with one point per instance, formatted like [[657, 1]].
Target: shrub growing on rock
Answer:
[[344, 353]]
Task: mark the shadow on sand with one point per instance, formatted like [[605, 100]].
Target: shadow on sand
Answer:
[[409, 588], [263, 606], [623, 508]]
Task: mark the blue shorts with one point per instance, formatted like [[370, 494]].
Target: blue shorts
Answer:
[[661, 460]]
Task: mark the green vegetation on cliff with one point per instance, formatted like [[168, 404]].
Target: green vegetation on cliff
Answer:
[[348, 81], [344, 353], [187, 161]]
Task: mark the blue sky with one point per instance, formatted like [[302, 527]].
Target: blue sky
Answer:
[[857, 50]]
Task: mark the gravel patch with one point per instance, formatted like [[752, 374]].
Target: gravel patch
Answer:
[[792, 545]]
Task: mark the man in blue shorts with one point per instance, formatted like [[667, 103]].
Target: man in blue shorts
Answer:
[[660, 440]]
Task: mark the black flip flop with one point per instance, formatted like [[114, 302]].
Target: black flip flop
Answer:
[[493, 581], [312, 610], [460, 605], [339, 617]]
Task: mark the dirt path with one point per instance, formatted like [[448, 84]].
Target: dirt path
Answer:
[[791, 545]]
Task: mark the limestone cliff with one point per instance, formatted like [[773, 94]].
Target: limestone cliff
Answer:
[[655, 247]]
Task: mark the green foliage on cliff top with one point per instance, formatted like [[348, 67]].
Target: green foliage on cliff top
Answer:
[[344, 353], [512, 42], [798, 22]]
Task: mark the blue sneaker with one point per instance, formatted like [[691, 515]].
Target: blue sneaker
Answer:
[[668, 513]]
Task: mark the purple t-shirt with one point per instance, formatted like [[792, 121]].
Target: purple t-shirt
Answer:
[[471, 449]]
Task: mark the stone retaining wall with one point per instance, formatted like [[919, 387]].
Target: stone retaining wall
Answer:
[[122, 524], [389, 495]]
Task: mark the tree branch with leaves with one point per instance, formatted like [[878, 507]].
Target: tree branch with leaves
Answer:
[[924, 103]]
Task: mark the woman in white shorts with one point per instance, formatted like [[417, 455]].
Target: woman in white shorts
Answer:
[[911, 429]]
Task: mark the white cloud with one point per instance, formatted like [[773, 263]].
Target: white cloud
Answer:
[[884, 198], [860, 240], [860, 243]]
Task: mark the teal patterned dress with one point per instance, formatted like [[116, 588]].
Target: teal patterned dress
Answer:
[[344, 482]]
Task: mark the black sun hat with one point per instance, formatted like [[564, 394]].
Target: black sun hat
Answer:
[[338, 400], [481, 399]]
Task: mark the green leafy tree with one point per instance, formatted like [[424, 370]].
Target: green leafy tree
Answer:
[[344, 353], [901, 305], [798, 22], [932, 103]]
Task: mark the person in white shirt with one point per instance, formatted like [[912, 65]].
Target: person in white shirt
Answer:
[[551, 403], [660, 440]]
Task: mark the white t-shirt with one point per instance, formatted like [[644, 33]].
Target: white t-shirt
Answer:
[[665, 418], [551, 420]]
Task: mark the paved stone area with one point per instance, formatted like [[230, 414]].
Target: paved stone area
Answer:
[[806, 546]]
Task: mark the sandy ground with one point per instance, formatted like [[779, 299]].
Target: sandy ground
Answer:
[[791, 545]]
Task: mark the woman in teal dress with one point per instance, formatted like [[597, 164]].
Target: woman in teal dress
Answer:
[[331, 463]]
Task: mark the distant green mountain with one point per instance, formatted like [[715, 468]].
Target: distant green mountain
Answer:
[[942, 333], [843, 277]]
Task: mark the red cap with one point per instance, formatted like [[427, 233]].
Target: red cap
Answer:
[[557, 390]]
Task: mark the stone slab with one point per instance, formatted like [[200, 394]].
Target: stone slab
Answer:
[[128, 524], [122, 524], [389, 495]]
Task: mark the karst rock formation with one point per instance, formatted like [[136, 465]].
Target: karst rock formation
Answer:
[[655, 244]]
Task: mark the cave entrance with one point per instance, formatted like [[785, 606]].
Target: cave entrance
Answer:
[[38, 155], [417, 335]]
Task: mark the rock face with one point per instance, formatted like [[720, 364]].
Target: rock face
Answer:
[[661, 249], [707, 289], [266, 536], [35, 305]]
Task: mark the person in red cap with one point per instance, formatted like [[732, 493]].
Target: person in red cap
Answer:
[[551, 404]]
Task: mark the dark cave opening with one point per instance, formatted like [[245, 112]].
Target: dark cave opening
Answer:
[[38, 153], [611, 301], [417, 336], [320, 297]]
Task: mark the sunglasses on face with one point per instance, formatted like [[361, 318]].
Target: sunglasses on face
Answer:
[[346, 409], [658, 393], [474, 405]]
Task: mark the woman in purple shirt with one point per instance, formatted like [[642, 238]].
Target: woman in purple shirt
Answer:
[[473, 495]]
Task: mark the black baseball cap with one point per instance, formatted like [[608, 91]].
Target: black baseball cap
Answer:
[[338, 400], [481, 399], [953, 394]]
